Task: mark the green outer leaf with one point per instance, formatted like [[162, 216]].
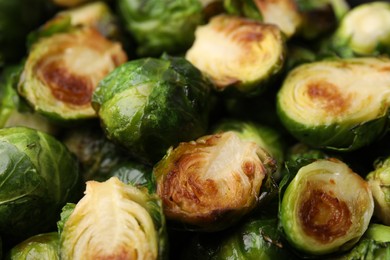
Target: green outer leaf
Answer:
[[149, 104], [161, 25], [343, 136], [65, 213], [246, 8], [41, 246], [38, 176]]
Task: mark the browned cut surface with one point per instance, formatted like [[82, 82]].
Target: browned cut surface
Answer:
[[328, 97], [64, 85], [324, 217]]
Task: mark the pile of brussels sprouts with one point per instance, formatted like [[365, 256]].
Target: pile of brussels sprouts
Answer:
[[194, 129]]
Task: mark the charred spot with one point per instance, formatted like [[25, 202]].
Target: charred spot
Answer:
[[65, 85], [328, 96], [331, 181], [248, 168], [324, 217]]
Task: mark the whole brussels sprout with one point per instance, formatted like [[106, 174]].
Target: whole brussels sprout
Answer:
[[326, 208], [379, 182], [13, 110], [336, 104], [62, 71], [42, 246], [238, 53], [211, 183], [161, 26], [38, 175], [149, 104], [114, 221]]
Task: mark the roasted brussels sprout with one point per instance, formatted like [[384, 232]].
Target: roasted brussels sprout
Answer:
[[160, 26], [375, 244], [13, 110], [336, 104], [365, 30], [97, 155], [265, 137], [62, 71], [17, 19], [210, 183], [38, 176], [379, 182], [326, 208], [238, 53], [97, 15], [110, 210], [42, 246], [149, 104]]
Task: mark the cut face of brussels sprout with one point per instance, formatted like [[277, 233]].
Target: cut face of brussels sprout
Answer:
[[211, 182], [337, 104], [365, 29], [149, 104], [42, 246], [62, 71], [113, 221], [237, 52], [326, 208], [379, 182], [283, 13]]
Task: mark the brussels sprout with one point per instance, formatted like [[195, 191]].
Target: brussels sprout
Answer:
[[265, 137], [326, 208], [375, 244], [13, 111], [40, 247], [110, 210], [97, 155], [336, 104], [210, 183], [17, 19], [62, 71], [37, 175], [379, 182], [365, 30], [149, 104], [97, 15], [160, 26], [238, 53]]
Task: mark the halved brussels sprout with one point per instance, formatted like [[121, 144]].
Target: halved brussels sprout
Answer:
[[114, 221], [13, 111], [379, 182], [337, 104], [365, 30], [42, 246], [238, 53], [149, 104], [38, 175], [210, 183], [375, 244], [265, 137], [326, 208], [161, 26], [62, 71], [97, 15]]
